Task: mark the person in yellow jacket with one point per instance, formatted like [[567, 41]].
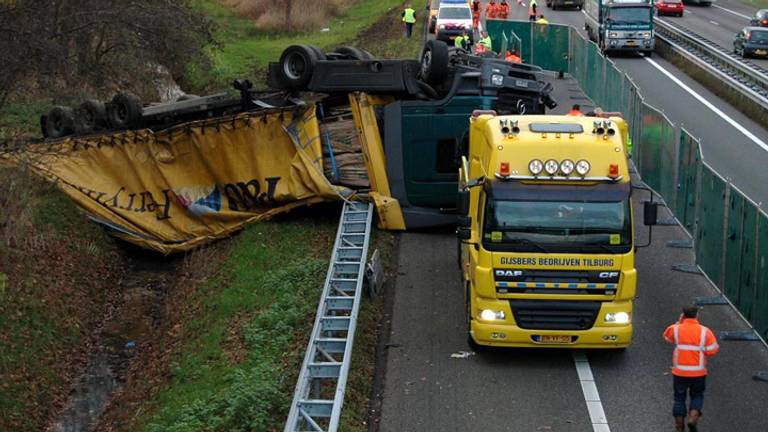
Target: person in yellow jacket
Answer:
[[532, 10], [542, 20], [409, 18], [485, 40], [462, 40]]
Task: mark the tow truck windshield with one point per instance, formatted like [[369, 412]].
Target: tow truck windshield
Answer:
[[629, 15], [567, 227]]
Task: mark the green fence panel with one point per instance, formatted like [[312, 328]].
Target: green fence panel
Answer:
[[689, 160], [744, 298], [550, 46], [759, 317], [734, 245], [710, 230], [652, 135], [521, 29]]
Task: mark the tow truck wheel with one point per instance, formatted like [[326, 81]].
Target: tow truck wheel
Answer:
[[318, 51], [354, 53], [297, 64], [124, 112], [434, 62], [59, 122], [90, 116]]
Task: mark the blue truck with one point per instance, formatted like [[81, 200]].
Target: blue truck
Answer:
[[620, 25]]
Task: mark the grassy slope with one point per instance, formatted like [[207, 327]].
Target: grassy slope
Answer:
[[60, 271], [245, 49]]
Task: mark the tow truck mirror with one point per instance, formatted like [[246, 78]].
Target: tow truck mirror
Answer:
[[462, 203], [650, 213], [463, 230]]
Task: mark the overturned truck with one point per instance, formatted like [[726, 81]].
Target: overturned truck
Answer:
[[331, 125]]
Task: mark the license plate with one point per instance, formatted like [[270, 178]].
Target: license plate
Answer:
[[631, 43], [761, 52], [554, 339]]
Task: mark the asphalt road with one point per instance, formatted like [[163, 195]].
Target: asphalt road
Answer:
[[428, 389], [719, 22]]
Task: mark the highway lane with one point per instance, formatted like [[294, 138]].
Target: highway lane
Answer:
[[426, 389], [718, 23]]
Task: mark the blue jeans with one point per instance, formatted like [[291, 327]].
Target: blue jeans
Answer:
[[685, 386]]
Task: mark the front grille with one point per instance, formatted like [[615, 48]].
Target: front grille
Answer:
[[556, 276], [554, 315]]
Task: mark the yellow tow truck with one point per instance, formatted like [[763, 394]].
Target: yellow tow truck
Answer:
[[546, 233]]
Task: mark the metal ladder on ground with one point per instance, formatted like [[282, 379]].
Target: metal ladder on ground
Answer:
[[322, 380]]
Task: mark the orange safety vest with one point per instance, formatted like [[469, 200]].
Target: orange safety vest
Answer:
[[575, 113], [693, 344], [513, 58], [490, 11]]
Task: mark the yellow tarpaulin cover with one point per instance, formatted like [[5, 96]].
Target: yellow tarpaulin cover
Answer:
[[173, 190]]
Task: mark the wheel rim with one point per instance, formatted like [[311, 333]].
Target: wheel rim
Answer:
[[426, 61], [295, 66]]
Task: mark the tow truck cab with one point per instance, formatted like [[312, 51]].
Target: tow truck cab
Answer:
[[546, 232]]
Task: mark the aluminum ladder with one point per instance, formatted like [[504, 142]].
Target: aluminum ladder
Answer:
[[319, 393]]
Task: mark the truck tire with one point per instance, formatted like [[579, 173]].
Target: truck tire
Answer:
[[90, 116], [60, 122], [353, 53], [320, 53], [434, 62], [297, 63], [124, 112]]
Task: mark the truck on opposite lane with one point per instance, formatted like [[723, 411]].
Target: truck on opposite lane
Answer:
[[620, 25], [546, 233]]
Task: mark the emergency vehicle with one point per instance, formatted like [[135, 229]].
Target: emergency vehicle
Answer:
[[546, 234]]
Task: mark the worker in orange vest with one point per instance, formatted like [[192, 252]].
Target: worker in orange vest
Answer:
[[502, 10], [476, 7], [491, 9], [693, 344], [512, 57], [575, 111]]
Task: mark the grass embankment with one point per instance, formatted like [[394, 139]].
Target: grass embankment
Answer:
[[57, 273], [244, 50], [243, 334]]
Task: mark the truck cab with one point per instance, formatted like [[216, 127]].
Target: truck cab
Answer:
[[546, 234], [620, 25]]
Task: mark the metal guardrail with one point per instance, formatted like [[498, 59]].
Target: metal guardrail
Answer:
[[322, 380], [751, 78]]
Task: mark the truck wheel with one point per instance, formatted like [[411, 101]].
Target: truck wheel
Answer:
[[124, 112], [90, 116], [320, 53], [59, 122], [297, 64], [353, 53], [434, 62], [649, 54]]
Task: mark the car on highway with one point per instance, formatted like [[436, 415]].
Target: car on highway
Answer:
[[452, 18], [669, 7], [759, 19], [751, 41]]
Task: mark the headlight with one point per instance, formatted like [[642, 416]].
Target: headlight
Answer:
[[647, 35], [497, 80], [617, 317], [566, 166], [492, 315], [613, 34], [582, 167], [535, 166], [551, 166]]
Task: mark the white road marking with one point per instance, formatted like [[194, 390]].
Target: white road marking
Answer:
[[714, 22], [591, 395], [706, 103], [732, 12]]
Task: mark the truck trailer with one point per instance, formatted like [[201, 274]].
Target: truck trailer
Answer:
[[546, 233], [620, 25]]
